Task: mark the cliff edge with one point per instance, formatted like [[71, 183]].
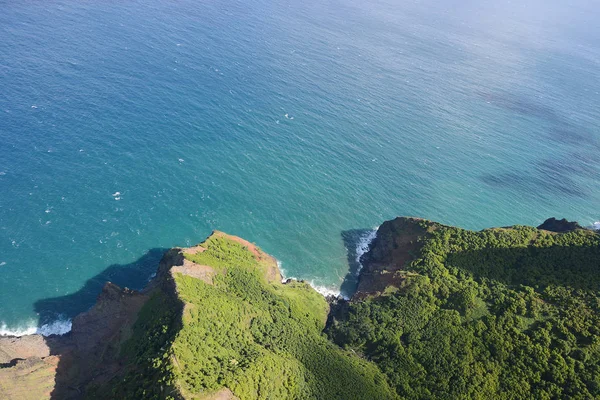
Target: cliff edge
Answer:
[[215, 323]]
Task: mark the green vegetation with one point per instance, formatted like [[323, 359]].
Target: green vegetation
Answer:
[[502, 313], [260, 339], [509, 313], [149, 372]]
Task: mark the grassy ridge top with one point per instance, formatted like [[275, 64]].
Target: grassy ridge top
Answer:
[[242, 333], [507, 313]]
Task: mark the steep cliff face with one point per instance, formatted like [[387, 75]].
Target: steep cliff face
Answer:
[[91, 355], [239, 333], [62, 367], [215, 323], [398, 242], [440, 312]]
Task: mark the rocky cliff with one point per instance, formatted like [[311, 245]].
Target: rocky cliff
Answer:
[[215, 323], [435, 305], [502, 313]]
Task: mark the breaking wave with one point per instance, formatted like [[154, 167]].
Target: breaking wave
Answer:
[[362, 246], [58, 327], [323, 290]]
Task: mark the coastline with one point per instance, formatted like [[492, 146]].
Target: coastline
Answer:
[[62, 326]]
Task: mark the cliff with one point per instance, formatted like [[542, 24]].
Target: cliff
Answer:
[[503, 313], [215, 323], [440, 312]]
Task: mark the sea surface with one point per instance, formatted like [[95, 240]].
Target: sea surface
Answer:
[[128, 127]]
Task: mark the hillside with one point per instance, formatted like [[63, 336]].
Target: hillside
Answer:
[[218, 323], [504, 313], [440, 313]]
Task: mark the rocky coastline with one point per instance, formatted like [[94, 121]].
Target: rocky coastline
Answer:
[[66, 367]]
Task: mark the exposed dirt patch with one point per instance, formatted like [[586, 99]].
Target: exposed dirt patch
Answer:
[[58, 367], [64, 367], [29, 379], [194, 250], [12, 348], [202, 272], [250, 246], [223, 394]]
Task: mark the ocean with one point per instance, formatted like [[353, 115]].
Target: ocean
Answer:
[[127, 128]]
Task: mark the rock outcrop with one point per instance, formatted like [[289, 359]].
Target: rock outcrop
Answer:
[[395, 246], [61, 367], [65, 367], [559, 225], [69, 366]]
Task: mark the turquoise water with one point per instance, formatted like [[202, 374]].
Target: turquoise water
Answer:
[[130, 127]]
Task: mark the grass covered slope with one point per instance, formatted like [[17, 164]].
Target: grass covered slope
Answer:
[[242, 333], [508, 313]]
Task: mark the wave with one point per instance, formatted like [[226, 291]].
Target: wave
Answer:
[[19, 331], [59, 327], [326, 291], [362, 246], [596, 226], [323, 290]]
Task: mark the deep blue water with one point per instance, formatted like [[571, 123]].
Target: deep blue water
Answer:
[[130, 127]]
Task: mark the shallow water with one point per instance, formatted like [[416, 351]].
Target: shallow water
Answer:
[[128, 128]]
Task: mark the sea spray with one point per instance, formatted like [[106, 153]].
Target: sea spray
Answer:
[[60, 326], [326, 291], [362, 246], [323, 290], [29, 329]]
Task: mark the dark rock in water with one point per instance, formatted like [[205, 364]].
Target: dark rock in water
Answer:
[[562, 225], [395, 246]]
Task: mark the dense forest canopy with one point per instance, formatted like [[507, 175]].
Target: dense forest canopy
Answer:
[[502, 313]]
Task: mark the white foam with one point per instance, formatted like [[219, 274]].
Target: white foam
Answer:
[[362, 246], [116, 194], [284, 276], [326, 291], [596, 226], [2, 264], [58, 327], [323, 290], [19, 331]]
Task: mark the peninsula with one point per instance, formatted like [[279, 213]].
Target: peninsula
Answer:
[[440, 312]]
